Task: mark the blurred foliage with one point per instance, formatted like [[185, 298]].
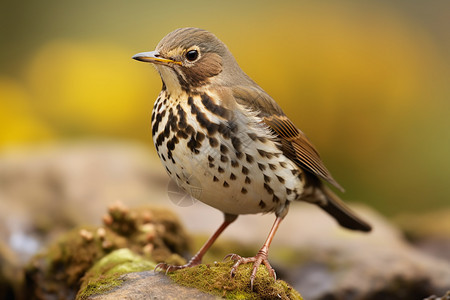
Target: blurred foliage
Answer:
[[367, 81]]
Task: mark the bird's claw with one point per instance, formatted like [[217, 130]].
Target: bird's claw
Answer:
[[166, 268], [171, 268], [231, 256], [256, 260]]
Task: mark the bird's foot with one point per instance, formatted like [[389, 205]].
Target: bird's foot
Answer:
[[260, 257], [171, 268]]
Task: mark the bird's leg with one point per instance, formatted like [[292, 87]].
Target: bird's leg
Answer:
[[197, 258], [260, 257]]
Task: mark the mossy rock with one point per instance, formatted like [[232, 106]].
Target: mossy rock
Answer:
[[56, 272], [154, 233], [107, 273], [215, 279]]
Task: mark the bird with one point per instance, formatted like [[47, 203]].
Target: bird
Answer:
[[214, 126]]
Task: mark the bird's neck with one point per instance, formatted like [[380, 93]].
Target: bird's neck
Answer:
[[176, 85], [171, 82]]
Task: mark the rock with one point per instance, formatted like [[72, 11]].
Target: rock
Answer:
[[151, 286], [210, 282], [107, 273]]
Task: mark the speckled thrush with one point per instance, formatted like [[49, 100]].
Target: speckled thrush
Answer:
[[213, 125]]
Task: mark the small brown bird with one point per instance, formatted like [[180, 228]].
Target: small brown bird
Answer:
[[213, 125]]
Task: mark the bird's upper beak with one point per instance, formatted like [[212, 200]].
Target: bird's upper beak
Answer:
[[155, 58]]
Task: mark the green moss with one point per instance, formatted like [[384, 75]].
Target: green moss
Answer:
[[215, 279], [106, 273]]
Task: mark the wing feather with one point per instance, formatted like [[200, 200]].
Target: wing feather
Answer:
[[294, 142], [305, 155]]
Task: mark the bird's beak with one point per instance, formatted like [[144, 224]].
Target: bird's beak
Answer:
[[155, 58]]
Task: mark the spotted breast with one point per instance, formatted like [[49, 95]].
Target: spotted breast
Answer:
[[228, 159]]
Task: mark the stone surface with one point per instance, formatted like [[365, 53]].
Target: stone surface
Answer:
[[151, 286], [211, 279], [107, 273]]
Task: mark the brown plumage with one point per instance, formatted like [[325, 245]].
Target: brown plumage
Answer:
[[213, 123]]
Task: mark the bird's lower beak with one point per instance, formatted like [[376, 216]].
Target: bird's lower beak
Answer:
[[155, 58]]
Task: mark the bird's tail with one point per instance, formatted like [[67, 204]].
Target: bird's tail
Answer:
[[343, 215]]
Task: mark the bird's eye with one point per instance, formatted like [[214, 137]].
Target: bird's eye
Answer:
[[192, 55]]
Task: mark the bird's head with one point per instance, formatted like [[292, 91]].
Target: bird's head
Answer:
[[191, 58]]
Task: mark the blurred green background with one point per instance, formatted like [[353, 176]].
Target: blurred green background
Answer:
[[367, 81]]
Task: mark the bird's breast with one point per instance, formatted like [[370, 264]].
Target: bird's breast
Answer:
[[226, 159]]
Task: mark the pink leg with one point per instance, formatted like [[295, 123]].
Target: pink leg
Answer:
[[197, 258]]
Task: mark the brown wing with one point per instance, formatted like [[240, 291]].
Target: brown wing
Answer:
[[298, 148], [294, 143]]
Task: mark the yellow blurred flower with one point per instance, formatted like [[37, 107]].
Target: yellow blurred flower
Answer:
[[91, 88], [18, 122]]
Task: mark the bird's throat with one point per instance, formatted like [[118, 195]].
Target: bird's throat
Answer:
[[170, 79]]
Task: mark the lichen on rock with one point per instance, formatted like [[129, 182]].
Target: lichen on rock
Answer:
[[106, 273]]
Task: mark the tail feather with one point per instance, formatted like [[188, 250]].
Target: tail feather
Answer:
[[343, 215]]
